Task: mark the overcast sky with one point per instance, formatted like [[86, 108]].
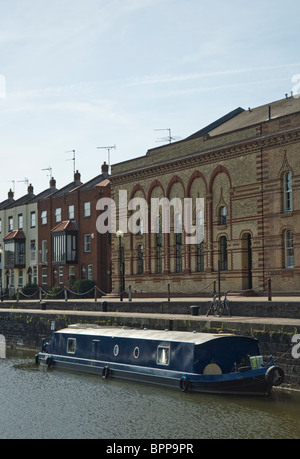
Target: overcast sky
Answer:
[[77, 75]]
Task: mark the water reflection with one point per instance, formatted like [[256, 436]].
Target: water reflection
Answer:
[[39, 402]]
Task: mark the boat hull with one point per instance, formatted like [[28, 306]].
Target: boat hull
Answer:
[[252, 382]]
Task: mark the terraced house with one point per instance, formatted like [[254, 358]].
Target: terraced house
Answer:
[[70, 248], [246, 167], [48, 239], [19, 239]]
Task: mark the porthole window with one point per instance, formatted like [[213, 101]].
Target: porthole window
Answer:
[[116, 350], [136, 352]]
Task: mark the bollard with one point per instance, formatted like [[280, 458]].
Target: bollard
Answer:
[[269, 289], [194, 310]]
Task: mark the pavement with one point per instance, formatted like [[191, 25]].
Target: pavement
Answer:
[[17, 308]]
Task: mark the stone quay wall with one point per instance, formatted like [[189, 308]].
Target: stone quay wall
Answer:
[[27, 326]]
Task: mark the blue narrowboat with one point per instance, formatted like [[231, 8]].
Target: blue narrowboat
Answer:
[[198, 362]]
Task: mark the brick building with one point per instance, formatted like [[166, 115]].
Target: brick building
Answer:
[[70, 248], [19, 239], [246, 167]]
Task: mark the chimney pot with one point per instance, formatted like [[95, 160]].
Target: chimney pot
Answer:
[[104, 168], [77, 176]]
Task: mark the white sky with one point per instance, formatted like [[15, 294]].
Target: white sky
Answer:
[[80, 74]]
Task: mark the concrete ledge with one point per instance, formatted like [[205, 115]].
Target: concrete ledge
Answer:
[[258, 307]]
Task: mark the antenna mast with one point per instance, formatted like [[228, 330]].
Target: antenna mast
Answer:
[[72, 159], [24, 181], [170, 138], [108, 154], [50, 171], [13, 182]]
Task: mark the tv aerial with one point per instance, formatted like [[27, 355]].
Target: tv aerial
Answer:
[[169, 138], [13, 182], [72, 159], [113, 147], [26, 181], [49, 169]]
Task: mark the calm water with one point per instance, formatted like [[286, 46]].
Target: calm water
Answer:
[[37, 402]]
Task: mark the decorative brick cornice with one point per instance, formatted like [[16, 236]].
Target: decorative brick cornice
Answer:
[[200, 158]]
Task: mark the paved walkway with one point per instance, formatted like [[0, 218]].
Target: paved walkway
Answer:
[[164, 316]]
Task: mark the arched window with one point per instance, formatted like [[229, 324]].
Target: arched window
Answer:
[[200, 257], [140, 225], [223, 215], [223, 254], [288, 192], [158, 245], [140, 259], [178, 234], [289, 249]]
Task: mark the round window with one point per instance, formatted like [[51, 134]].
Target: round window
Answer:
[[136, 352], [116, 350]]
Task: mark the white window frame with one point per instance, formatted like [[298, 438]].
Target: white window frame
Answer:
[[71, 212], [58, 215], [44, 217], [163, 355], [87, 209], [289, 249], [71, 345], [87, 243], [44, 276]]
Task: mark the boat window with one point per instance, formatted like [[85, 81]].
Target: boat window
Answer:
[[116, 350], [163, 355], [136, 352], [71, 345]]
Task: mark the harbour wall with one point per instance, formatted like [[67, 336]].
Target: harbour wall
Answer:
[[27, 325]]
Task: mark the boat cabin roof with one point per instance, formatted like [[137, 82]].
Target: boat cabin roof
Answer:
[[158, 335]]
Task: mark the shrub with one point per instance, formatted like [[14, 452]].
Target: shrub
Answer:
[[85, 286]]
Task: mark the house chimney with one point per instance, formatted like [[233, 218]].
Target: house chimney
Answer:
[[77, 177], [52, 183], [104, 168], [30, 189], [10, 195]]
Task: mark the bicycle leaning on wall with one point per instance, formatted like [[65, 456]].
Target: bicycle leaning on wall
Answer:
[[218, 306]]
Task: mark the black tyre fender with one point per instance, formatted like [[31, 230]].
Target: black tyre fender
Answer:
[[49, 361], [274, 375], [184, 384], [105, 372]]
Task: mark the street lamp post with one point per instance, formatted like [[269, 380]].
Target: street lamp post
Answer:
[[120, 234]]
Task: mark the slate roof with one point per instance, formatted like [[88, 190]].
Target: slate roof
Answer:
[[258, 115], [241, 118]]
